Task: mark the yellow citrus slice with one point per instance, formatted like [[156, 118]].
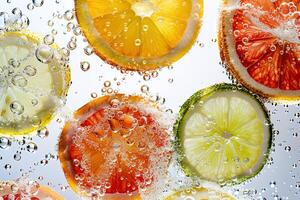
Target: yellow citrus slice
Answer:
[[260, 43], [30, 190], [200, 193], [33, 83], [140, 34]]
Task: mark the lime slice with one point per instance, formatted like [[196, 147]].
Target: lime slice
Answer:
[[200, 193], [33, 83], [224, 134]]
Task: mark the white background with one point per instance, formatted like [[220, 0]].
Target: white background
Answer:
[[198, 69]]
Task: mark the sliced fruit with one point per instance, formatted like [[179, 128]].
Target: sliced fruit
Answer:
[[260, 44], [223, 134], [140, 35], [30, 190], [200, 193], [33, 83], [115, 145]]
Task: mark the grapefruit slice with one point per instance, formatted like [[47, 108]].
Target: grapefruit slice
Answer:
[[260, 44], [115, 145], [140, 35], [223, 134], [200, 193], [33, 83], [31, 190]]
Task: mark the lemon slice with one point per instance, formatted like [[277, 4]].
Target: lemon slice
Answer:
[[33, 83], [141, 34], [200, 193], [224, 134]]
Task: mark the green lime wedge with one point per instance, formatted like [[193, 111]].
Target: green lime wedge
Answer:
[[223, 134]]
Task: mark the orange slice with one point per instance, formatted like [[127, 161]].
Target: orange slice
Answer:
[[114, 146], [31, 190], [260, 43], [140, 34]]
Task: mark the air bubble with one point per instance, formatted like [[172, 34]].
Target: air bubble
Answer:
[[85, 66], [137, 42], [34, 102], [17, 157], [4, 143], [38, 3], [154, 74], [94, 95], [48, 39], [30, 6], [16, 108], [19, 81], [31, 147], [50, 23], [107, 84], [17, 11], [70, 26], [44, 53], [36, 121], [72, 45], [287, 148], [43, 133], [88, 50], [145, 88], [273, 47], [14, 188], [146, 77], [14, 63], [272, 184], [54, 32], [30, 70], [77, 31], [145, 28], [44, 162], [7, 166], [68, 15]]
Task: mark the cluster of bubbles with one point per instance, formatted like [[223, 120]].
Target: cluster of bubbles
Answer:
[[23, 188], [130, 136], [13, 21], [286, 18], [25, 144]]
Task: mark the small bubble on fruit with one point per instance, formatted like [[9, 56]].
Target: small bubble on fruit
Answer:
[[16, 108]]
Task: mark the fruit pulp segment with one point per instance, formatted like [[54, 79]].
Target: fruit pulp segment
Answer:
[[267, 41], [146, 29], [224, 137]]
